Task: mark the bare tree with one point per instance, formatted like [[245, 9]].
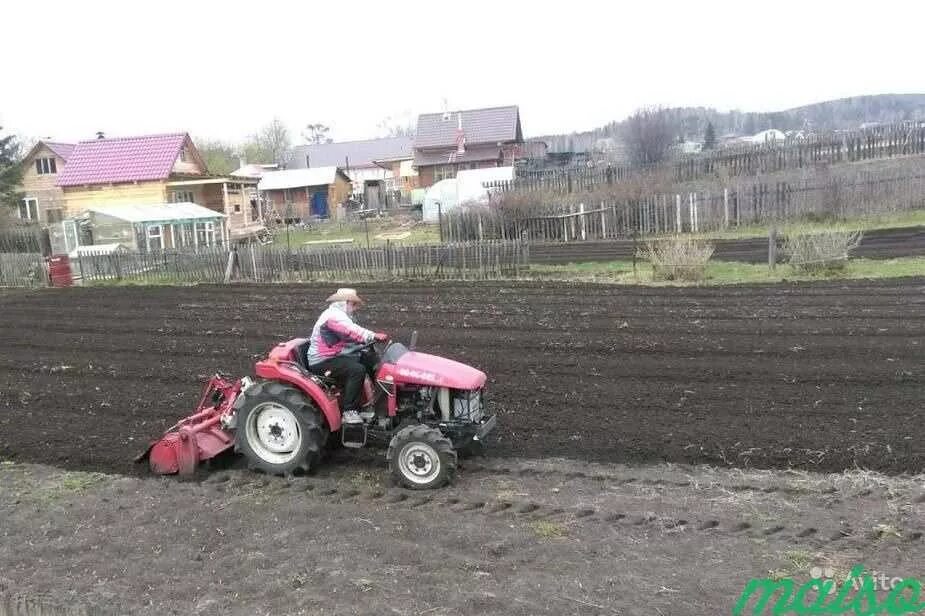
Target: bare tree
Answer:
[[274, 140], [392, 127], [648, 135], [316, 133]]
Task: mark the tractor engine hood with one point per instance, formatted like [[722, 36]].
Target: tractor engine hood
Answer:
[[424, 369]]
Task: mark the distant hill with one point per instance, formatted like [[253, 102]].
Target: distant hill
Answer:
[[840, 114]]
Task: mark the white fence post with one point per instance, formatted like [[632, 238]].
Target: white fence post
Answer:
[[603, 222], [677, 204], [581, 212]]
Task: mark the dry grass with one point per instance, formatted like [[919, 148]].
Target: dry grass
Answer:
[[821, 253], [548, 530], [678, 259]]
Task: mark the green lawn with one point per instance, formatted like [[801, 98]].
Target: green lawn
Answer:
[[357, 232], [912, 218], [726, 272]]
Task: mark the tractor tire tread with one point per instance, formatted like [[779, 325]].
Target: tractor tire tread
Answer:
[[433, 437], [315, 432]]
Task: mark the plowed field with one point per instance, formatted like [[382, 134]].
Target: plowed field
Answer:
[[821, 376]]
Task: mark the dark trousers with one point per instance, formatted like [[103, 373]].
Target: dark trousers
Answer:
[[350, 371]]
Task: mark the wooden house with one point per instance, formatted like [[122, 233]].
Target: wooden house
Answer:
[[42, 200], [448, 142], [151, 170], [300, 194], [360, 161]]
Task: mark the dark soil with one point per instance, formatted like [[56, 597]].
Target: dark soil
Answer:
[[511, 537], [823, 376], [875, 244]]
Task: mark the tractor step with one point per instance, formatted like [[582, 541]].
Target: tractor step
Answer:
[[353, 435]]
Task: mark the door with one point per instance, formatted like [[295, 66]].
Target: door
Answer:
[[320, 203], [71, 239]]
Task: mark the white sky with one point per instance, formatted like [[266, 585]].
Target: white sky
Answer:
[[223, 69]]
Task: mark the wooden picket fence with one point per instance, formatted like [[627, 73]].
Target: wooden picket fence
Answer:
[[741, 205], [466, 261], [876, 143], [23, 269]]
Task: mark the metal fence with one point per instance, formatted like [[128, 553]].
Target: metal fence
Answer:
[[469, 260]]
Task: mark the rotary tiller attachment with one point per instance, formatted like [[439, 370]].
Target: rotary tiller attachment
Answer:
[[201, 436]]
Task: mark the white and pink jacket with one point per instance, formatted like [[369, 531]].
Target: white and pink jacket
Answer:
[[335, 334]]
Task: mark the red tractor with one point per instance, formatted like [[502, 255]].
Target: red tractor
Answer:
[[423, 407]]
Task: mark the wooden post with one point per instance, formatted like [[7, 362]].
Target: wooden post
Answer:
[[678, 213], [690, 204], [772, 248], [481, 233], [725, 208], [696, 213], [603, 222], [581, 211], [229, 267], [388, 257], [440, 220]]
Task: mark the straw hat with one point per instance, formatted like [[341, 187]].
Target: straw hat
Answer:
[[345, 295]]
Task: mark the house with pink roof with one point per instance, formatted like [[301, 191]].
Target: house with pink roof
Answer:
[[152, 170], [42, 200]]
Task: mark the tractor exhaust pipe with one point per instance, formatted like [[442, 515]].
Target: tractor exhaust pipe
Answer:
[[414, 340]]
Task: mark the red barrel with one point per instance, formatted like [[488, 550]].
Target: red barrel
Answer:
[[59, 270]]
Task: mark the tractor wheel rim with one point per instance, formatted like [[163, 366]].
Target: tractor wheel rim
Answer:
[[419, 462], [273, 433]]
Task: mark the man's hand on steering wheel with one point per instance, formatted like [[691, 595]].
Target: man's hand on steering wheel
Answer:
[[381, 337]]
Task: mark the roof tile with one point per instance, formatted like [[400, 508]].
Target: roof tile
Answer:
[[491, 125], [128, 159]]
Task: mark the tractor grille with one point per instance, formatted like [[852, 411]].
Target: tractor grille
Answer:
[[467, 406]]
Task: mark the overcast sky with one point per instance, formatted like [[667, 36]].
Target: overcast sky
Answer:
[[223, 69]]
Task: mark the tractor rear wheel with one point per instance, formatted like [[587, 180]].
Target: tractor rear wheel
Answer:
[[421, 458], [279, 429]]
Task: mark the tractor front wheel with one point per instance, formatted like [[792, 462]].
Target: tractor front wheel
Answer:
[[279, 429], [421, 458]]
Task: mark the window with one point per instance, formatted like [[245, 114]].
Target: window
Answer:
[[55, 215], [45, 166], [184, 157], [237, 208], [181, 196], [205, 233], [155, 241], [444, 172], [29, 209]]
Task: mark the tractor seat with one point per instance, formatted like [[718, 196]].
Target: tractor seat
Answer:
[[324, 379]]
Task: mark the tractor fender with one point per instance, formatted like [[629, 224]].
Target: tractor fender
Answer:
[[293, 375]]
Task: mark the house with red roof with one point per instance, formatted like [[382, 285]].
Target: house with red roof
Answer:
[[43, 200], [150, 170]]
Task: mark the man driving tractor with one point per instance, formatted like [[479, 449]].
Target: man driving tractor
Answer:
[[339, 346]]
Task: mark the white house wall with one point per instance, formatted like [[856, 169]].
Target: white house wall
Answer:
[[362, 175]]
